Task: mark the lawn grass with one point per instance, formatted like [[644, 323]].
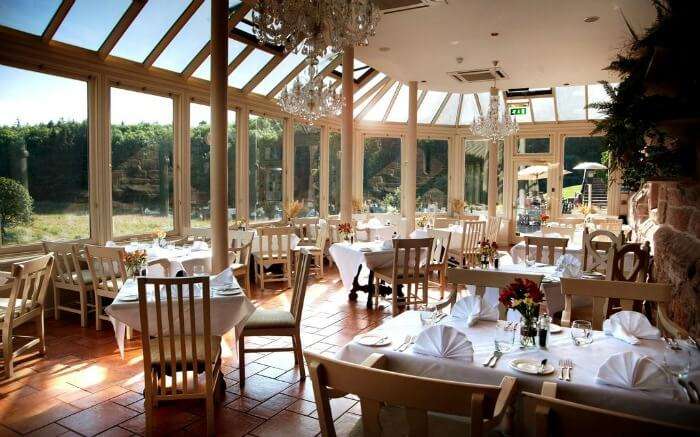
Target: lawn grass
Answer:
[[570, 192]]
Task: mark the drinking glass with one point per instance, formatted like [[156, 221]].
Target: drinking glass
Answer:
[[505, 336], [581, 332], [677, 362]]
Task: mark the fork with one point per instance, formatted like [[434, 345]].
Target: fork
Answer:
[[561, 369], [405, 340], [569, 365], [410, 341]]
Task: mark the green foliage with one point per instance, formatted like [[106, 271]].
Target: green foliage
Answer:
[[15, 206]]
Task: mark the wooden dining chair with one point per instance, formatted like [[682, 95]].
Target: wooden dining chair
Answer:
[[69, 279], [438, 260], [573, 221], [472, 234], [239, 257], [557, 417], [493, 226], [558, 230], [317, 249], [482, 279], [25, 304], [274, 249], [596, 246], [282, 323], [306, 229], [401, 404], [469, 217], [551, 243], [632, 268], [409, 270], [611, 224], [108, 274], [178, 362], [627, 292], [195, 234]]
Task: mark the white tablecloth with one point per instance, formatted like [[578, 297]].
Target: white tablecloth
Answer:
[[372, 232], [348, 257], [582, 387], [455, 240], [227, 312]]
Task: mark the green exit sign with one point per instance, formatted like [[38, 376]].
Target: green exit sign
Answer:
[[518, 111]]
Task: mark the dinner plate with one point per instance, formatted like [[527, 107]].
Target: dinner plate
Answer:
[[374, 340], [554, 328], [530, 366], [365, 249], [593, 275], [129, 297], [228, 292]]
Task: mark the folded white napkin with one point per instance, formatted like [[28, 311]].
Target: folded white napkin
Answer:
[[387, 244], [110, 243], [474, 308], [223, 279], [200, 245], [374, 223], [633, 371], [630, 326], [444, 341], [567, 266]]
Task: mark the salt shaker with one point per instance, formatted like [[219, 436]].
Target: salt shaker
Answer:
[[543, 330]]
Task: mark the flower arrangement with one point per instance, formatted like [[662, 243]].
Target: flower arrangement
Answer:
[[524, 296], [159, 237], [134, 261], [345, 230], [292, 209], [423, 220], [544, 218], [239, 224], [458, 206], [586, 209], [487, 251], [358, 206]]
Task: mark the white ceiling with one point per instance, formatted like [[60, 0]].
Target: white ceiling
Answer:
[[541, 43]]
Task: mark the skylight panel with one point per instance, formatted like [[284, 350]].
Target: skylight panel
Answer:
[[248, 68], [377, 112], [369, 85], [431, 103], [28, 16], [571, 102], [543, 109], [292, 61], [234, 49], [358, 108], [449, 113], [469, 110], [399, 112], [89, 22], [188, 42], [148, 28], [597, 94]]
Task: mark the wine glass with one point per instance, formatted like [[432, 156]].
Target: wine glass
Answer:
[[505, 336], [581, 332], [677, 362]]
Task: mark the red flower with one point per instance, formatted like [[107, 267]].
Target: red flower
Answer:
[[520, 290]]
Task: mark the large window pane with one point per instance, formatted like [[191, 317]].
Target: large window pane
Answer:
[[533, 145], [334, 152], [28, 16], [382, 174], [189, 40], [265, 167], [307, 170], [142, 166], [44, 148], [431, 175], [571, 102], [200, 154], [580, 185], [476, 175], [89, 22]]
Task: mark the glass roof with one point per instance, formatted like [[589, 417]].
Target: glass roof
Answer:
[[399, 111], [248, 68], [28, 16], [188, 42], [369, 85], [148, 28], [597, 94], [543, 109], [89, 22], [571, 102], [358, 108], [359, 69], [469, 109], [431, 103], [234, 48], [278, 73], [376, 113], [448, 115]]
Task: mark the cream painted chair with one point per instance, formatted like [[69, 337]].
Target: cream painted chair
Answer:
[[178, 365], [438, 260], [239, 257], [627, 292], [409, 270], [108, 273], [493, 226], [557, 417], [551, 243], [443, 222], [596, 245], [69, 279], [282, 323], [273, 250], [317, 249], [396, 404], [25, 304], [307, 229], [634, 268], [472, 234]]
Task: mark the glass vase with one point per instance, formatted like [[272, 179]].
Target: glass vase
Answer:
[[528, 332]]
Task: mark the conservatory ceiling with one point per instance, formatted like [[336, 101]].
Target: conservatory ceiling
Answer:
[[173, 35]]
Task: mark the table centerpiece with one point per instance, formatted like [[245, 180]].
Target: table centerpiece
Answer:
[[524, 296]]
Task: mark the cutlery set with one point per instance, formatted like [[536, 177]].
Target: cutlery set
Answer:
[[491, 362], [408, 341], [565, 367]]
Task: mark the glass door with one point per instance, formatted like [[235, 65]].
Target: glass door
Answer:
[[530, 198]]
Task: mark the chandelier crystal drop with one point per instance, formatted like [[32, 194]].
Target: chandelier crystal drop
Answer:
[[315, 28], [311, 100], [495, 125]]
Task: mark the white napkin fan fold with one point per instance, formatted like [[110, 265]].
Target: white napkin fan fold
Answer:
[[633, 371], [630, 326], [444, 341], [473, 308]]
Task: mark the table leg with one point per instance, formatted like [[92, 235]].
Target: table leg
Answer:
[[355, 285], [370, 290]]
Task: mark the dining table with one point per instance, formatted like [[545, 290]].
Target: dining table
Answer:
[[582, 388]]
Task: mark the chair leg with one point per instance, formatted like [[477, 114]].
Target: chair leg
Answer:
[[210, 414], [83, 309], [98, 312], [241, 361], [8, 359], [39, 322], [56, 303], [395, 302], [299, 357], [320, 264]]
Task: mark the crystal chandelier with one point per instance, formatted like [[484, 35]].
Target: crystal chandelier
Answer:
[[315, 27], [494, 125], [311, 100]]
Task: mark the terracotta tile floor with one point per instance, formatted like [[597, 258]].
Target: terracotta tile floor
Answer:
[[83, 387]]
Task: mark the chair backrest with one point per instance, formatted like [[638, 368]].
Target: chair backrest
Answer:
[[274, 242], [573, 221], [375, 386], [106, 266], [612, 224], [170, 316], [552, 230], [240, 237], [618, 261], [472, 234], [301, 277], [240, 254], [481, 279], [67, 271], [411, 259], [596, 245], [551, 243], [204, 234], [442, 222], [306, 228], [321, 236], [493, 226], [557, 417], [441, 243], [30, 279], [601, 291], [332, 224], [470, 217]]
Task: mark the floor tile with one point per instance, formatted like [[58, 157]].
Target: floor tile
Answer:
[[97, 419], [288, 423]]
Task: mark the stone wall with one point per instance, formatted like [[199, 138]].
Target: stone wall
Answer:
[[667, 214]]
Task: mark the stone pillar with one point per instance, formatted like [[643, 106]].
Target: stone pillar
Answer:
[[346, 136], [493, 172], [219, 152], [410, 158]]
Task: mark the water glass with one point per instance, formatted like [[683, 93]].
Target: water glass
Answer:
[[677, 362], [581, 332], [505, 336]]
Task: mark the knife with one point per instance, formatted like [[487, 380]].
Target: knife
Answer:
[[497, 355], [542, 366], [488, 362], [691, 396]]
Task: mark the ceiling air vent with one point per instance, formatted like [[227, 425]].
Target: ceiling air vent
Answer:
[[521, 93], [480, 75], [391, 6]]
